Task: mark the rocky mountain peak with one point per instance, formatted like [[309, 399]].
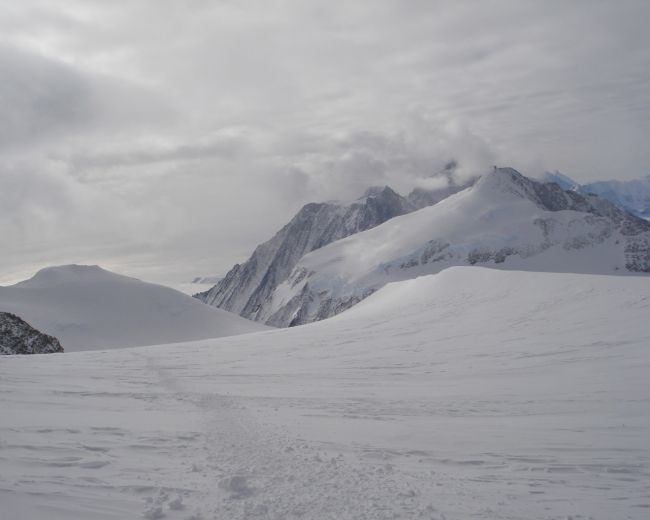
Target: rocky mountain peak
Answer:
[[506, 180]]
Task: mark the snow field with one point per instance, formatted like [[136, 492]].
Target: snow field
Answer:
[[473, 393]]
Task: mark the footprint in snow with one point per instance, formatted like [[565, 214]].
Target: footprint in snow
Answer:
[[237, 486]]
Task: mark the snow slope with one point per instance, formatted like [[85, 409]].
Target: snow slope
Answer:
[[505, 220], [88, 308], [470, 394]]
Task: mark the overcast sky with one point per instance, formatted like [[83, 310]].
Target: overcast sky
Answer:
[[166, 138]]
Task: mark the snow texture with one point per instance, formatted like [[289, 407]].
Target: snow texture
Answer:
[[505, 220], [471, 394], [88, 308]]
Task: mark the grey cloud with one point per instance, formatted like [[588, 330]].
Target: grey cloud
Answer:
[[43, 101], [226, 147], [39, 97]]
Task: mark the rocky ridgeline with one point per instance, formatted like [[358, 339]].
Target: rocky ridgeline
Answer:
[[18, 337]]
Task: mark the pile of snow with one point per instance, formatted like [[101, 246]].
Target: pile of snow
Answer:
[[88, 308], [474, 393]]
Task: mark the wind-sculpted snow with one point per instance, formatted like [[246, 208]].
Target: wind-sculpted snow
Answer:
[[505, 220], [247, 288], [474, 393], [18, 337], [87, 308]]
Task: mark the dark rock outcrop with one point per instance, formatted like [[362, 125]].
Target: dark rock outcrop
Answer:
[[18, 337]]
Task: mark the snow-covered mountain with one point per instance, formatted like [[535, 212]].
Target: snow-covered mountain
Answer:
[[471, 394], [89, 308], [18, 337], [247, 288], [632, 195], [505, 220]]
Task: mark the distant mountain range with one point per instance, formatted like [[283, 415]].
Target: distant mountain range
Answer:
[[329, 257], [632, 195]]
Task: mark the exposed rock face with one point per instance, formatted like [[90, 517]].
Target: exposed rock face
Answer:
[[421, 198], [247, 287], [505, 220], [18, 337]]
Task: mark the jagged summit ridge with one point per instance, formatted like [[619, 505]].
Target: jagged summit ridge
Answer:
[[550, 196]]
